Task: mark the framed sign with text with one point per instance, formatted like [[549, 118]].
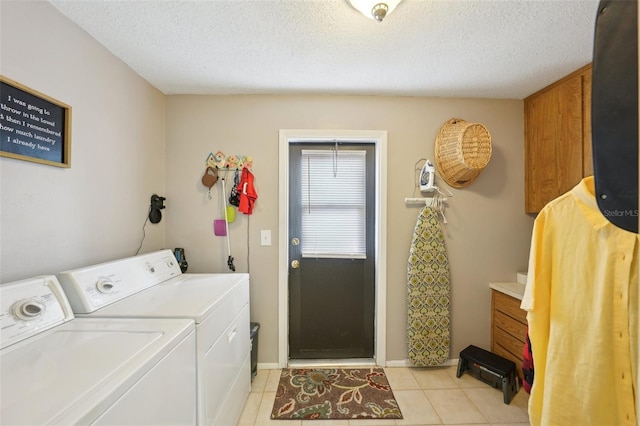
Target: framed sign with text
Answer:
[[33, 126]]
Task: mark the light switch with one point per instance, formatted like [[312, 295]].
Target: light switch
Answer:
[[265, 237]]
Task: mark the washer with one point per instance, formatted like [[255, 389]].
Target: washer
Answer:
[[152, 286], [60, 370]]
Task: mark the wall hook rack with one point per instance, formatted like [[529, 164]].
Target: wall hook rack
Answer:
[[229, 162]]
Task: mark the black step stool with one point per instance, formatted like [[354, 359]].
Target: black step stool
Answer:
[[490, 368]]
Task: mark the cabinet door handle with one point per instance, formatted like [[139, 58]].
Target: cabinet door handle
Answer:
[[232, 334]]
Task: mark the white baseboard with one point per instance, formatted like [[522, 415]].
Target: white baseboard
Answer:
[[268, 366]]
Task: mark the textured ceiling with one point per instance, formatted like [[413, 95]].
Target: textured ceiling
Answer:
[[452, 48]]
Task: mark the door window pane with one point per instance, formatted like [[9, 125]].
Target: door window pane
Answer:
[[333, 201]]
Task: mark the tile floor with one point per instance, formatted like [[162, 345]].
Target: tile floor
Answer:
[[427, 396]]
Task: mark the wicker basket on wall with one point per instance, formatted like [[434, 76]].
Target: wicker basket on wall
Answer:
[[463, 150]]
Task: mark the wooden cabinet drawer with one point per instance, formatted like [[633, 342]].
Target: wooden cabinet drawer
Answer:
[[509, 306], [509, 326], [499, 350], [509, 342]]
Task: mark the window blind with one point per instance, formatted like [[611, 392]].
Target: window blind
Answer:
[[333, 204]]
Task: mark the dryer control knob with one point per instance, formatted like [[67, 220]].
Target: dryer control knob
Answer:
[[28, 310], [105, 286]]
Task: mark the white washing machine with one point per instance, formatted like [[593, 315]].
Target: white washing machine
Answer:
[[152, 286], [58, 370]]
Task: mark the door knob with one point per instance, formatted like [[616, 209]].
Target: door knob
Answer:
[[295, 264]]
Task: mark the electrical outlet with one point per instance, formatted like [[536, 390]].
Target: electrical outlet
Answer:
[[265, 237]]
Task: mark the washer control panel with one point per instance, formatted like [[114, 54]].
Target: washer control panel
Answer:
[[97, 286], [30, 307]]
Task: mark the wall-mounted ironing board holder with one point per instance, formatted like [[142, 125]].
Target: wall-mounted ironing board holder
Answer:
[[425, 201], [614, 112]]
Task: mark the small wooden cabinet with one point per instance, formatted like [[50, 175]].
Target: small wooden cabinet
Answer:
[[508, 328], [557, 135]]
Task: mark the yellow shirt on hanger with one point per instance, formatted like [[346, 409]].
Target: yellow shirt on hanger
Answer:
[[582, 302]]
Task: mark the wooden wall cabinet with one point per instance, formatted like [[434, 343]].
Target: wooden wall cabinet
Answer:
[[557, 137], [508, 328]]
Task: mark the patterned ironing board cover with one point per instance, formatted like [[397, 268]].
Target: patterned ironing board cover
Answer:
[[428, 293]]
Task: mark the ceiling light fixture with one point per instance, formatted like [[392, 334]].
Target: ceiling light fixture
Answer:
[[374, 9]]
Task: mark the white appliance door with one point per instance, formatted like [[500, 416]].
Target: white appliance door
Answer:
[[173, 405], [73, 373]]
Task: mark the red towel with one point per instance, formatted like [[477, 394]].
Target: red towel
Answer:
[[247, 190], [527, 365]]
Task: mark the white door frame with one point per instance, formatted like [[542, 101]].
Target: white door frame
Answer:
[[379, 138]]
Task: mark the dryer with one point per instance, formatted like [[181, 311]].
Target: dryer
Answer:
[[153, 286], [60, 370]]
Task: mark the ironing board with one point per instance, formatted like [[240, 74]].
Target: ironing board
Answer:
[[428, 293]]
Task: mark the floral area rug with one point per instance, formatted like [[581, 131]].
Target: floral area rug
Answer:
[[334, 393]]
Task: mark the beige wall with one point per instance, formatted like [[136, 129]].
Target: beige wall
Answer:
[[487, 236], [51, 218]]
